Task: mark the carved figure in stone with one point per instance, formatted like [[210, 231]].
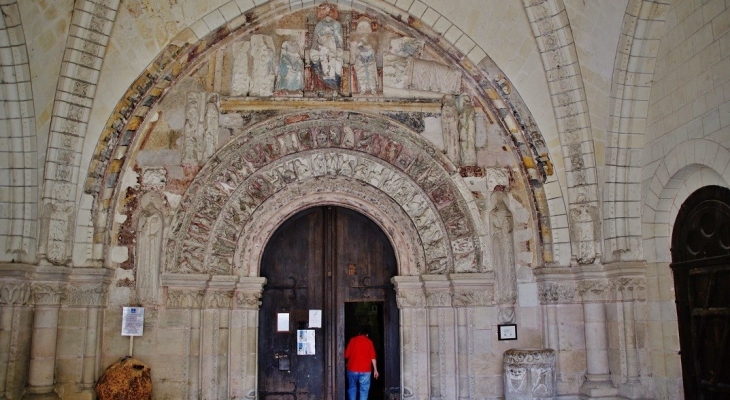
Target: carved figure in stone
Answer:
[[406, 47], [326, 52], [541, 382], [431, 76], [366, 69], [503, 252], [467, 130], [396, 71], [190, 131], [290, 76], [516, 379], [149, 252], [583, 233], [211, 127], [263, 70], [450, 128], [240, 81]]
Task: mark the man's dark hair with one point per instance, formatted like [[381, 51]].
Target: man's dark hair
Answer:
[[364, 330]]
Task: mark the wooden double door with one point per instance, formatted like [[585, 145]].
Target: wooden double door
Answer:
[[701, 268], [335, 263]]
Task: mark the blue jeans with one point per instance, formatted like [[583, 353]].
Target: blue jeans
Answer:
[[358, 378]]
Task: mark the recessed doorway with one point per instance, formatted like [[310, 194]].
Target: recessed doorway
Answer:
[[339, 262]]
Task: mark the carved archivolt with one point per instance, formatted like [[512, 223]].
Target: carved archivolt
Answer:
[[360, 161]]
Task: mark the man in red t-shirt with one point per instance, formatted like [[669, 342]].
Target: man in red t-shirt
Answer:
[[360, 355]]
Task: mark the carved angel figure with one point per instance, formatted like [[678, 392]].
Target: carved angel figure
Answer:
[[327, 52]]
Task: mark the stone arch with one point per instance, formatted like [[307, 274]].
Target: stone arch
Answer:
[[20, 133], [180, 56], [686, 168], [312, 158], [642, 28]]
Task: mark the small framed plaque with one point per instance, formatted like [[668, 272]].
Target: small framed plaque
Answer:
[[507, 332]]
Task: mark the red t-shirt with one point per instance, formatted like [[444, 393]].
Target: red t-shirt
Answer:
[[359, 354]]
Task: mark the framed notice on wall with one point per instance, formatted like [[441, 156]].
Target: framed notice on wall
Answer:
[[507, 332], [132, 321]]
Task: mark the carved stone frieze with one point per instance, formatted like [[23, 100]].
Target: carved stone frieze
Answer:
[[48, 293], [556, 292], [411, 299], [594, 290], [185, 298], [473, 297], [249, 300], [208, 231], [85, 295], [440, 298], [632, 288], [15, 293], [218, 299]]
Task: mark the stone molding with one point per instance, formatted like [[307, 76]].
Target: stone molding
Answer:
[[452, 290], [201, 291], [595, 283], [259, 170], [643, 25]]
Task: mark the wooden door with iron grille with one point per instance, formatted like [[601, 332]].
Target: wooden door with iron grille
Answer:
[[701, 268], [322, 259]]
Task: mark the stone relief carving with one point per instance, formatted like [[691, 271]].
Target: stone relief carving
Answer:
[[290, 75], [58, 223], [503, 253], [185, 298], [263, 70], [327, 52], [584, 233], [594, 290], [218, 299], [237, 193], [154, 178], [148, 256], [191, 130], [48, 293], [529, 374], [366, 69], [210, 137], [240, 81], [473, 298], [450, 128], [498, 179], [410, 299], [15, 293], [200, 133], [248, 300], [556, 292], [467, 130], [438, 298], [86, 295]]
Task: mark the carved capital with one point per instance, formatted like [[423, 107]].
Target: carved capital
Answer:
[[411, 299], [473, 298], [247, 300], [15, 293], [440, 298], [630, 288], [185, 298], [85, 295], [556, 292], [594, 290], [218, 299], [49, 294]]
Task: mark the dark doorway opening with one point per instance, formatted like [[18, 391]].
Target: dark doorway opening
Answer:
[[338, 261], [369, 314], [701, 269]]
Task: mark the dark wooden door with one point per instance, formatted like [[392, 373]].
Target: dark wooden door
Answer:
[[322, 259], [701, 268]]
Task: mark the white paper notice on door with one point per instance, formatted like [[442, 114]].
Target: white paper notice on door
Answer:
[[282, 322], [305, 342], [315, 318]]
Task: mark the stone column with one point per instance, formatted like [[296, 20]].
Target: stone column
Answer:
[[47, 299], [472, 293], [598, 375], [244, 337], [187, 291], [414, 336], [442, 336], [214, 349], [629, 288], [15, 316]]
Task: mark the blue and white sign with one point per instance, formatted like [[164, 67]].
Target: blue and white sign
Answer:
[[132, 321]]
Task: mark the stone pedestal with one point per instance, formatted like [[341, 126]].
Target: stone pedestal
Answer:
[[529, 374]]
